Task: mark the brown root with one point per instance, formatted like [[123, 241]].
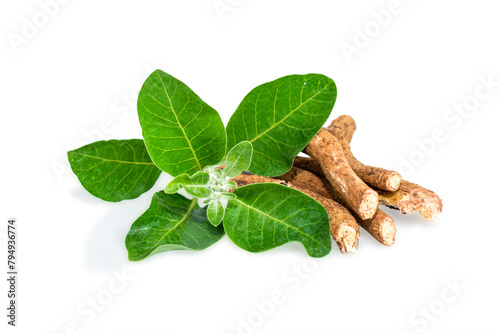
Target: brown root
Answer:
[[412, 197], [373, 176], [327, 150], [343, 226], [408, 198], [343, 127], [306, 179], [381, 227], [308, 164], [244, 179]]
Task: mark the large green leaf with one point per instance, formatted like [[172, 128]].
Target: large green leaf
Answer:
[[114, 170], [172, 222], [183, 134], [267, 215], [279, 118]]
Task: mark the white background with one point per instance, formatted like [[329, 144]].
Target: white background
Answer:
[[68, 84]]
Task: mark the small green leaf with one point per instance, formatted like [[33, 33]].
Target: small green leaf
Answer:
[[196, 185], [172, 222], [232, 184], [215, 212], [114, 170], [228, 196], [217, 173], [238, 159], [268, 215], [183, 134], [280, 118]]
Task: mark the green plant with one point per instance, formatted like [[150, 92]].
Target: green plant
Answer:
[[185, 137]]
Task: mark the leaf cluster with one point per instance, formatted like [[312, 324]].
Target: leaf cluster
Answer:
[[186, 138]]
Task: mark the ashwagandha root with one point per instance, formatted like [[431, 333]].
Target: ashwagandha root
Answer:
[[308, 180], [408, 198], [381, 226], [343, 226], [246, 179], [343, 127], [412, 197], [308, 164], [373, 176], [327, 151]]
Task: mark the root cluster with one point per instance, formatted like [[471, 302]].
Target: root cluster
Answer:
[[350, 191]]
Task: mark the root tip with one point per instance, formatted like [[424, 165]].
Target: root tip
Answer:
[[393, 181], [369, 205], [388, 232], [347, 239]]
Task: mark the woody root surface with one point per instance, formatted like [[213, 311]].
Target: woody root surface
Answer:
[[350, 191]]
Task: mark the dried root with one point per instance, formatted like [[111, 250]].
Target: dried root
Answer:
[[327, 150], [308, 164], [244, 179], [344, 192], [412, 197], [382, 227], [373, 176], [343, 127], [407, 197]]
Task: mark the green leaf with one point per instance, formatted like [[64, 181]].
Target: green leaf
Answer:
[[268, 215], [217, 196], [172, 222], [228, 196], [114, 170], [215, 212], [238, 159], [279, 118], [196, 185], [217, 173], [232, 184], [183, 134]]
